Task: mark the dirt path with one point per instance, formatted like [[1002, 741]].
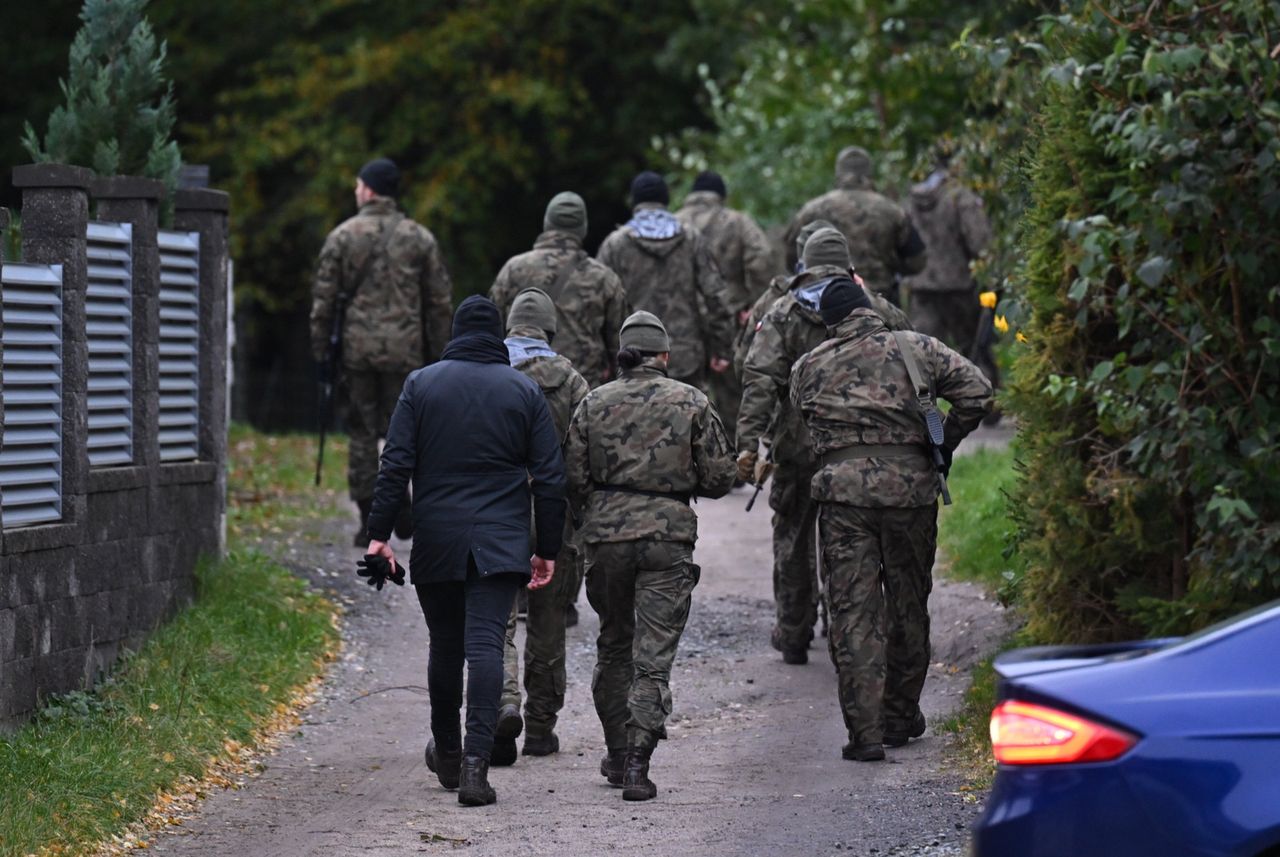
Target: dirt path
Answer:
[[753, 766]]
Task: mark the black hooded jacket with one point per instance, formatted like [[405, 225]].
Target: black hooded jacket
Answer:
[[477, 439]]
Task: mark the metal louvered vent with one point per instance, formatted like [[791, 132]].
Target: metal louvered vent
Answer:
[[109, 326], [31, 458], [179, 345]]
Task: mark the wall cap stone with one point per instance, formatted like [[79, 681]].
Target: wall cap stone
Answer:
[[52, 175], [117, 478], [21, 540], [127, 187], [187, 472], [202, 199]]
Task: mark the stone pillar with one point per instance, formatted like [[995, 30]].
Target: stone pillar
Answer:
[[136, 201], [55, 219], [205, 211]]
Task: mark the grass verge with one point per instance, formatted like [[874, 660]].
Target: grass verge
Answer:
[[184, 711]]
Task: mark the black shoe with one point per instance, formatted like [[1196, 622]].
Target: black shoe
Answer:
[[404, 520], [795, 657], [510, 725], [636, 784], [473, 787], [444, 764], [361, 539], [570, 616], [612, 767], [896, 738], [541, 745], [862, 752]]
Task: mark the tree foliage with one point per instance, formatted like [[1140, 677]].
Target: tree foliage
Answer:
[[119, 110], [1150, 391]]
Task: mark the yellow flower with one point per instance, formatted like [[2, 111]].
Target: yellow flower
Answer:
[[1002, 324], [988, 300], [1020, 336]]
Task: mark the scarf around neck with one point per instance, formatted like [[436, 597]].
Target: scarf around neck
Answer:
[[656, 223], [477, 348]]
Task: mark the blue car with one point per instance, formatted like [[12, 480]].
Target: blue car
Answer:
[[1158, 748]]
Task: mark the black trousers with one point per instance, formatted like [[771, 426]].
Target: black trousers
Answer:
[[467, 622]]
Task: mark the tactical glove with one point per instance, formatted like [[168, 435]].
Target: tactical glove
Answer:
[[747, 466], [947, 455], [377, 569]]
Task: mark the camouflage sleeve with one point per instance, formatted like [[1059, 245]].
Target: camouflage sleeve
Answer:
[[795, 386], [975, 228], [605, 254], [616, 310], [764, 380], [757, 259], [578, 389], [718, 322], [911, 250], [577, 461], [893, 317], [748, 333], [789, 240], [324, 293], [437, 304], [712, 456], [962, 384], [501, 292]]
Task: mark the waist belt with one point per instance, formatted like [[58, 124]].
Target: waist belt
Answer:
[[871, 450], [680, 496]]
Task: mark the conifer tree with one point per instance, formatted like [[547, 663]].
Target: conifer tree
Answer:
[[119, 112]]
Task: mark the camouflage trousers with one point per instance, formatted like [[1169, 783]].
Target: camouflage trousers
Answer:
[[544, 657], [953, 317], [795, 576], [642, 591], [878, 566], [371, 398], [725, 391]]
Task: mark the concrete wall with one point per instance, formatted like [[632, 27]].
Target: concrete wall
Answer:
[[74, 594]]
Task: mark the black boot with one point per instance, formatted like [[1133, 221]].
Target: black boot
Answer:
[[510, 725], [612, 766], [404, 520], [473, 786], [855, 752], [898, 737], [445, 764], [541, 745], [362, 535], [636, 784]]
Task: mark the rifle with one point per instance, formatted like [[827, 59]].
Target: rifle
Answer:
[[768, 455], [329, 368]]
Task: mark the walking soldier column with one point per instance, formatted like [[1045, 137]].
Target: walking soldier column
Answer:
[[877, 488], [638, 450]]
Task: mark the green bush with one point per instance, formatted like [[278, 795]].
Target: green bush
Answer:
[[1149, 391]]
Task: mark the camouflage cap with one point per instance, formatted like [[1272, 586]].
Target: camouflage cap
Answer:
[[567, 213], [827, 246], [853, 167], [806, 232], [533, 308], [643, 331]]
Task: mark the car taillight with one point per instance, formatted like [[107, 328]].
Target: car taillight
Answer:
[[1027, 734]]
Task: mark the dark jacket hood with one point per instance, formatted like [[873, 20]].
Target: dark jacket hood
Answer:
[[926, 195]]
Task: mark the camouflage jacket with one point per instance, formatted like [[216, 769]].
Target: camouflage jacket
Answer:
[[650, 436], [560, 383], [882, 240], [854, 390], [400, 317], [677, 280], [954, 225], [590, 306], [739, 245]]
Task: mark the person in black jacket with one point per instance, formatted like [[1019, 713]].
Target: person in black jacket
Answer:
[[477, 439]]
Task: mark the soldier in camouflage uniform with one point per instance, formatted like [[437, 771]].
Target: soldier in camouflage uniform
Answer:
[[389, 273], [877, 491], [590, 302], [883, 243], [667, 269], [791, 328], [745, 260], [944, 296], [638, 449]]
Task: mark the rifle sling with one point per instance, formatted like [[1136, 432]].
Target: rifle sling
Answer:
[[384, 240]]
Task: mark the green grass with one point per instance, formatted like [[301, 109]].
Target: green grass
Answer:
[[975, 530], [205, 685]]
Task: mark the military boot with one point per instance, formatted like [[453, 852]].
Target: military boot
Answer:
[[636, 784], [612, 766], [362, 535], [897, 737], [510, 725], [473, 782], [856, 752], [541, 745], [445, 764]]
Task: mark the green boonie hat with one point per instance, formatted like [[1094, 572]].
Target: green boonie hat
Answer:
[[826, 247], [807, 232], [644, 332], [567, 213], [533, 308]]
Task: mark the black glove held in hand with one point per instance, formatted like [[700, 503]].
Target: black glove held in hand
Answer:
[[377, 569]]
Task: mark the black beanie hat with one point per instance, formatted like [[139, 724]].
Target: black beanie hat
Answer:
[[839, 299], [710, 180], [649, 187], [477, 314], [382, 177]]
